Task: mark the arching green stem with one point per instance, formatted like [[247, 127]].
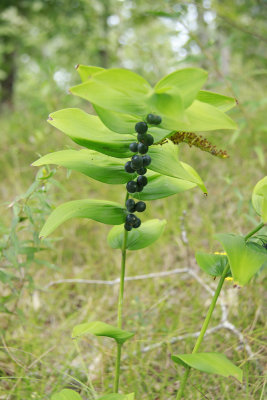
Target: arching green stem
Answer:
[[120, 306], [209, 315]]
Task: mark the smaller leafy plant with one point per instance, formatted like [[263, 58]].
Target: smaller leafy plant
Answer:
[[20, 245]]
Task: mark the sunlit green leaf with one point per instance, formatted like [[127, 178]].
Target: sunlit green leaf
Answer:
[[160, 186], [259, 198], [166, 162], [204, 117], [139, 238], [117, 396], [212, 363], [91, 163], [116, 89], [98, 328], [224, 103], [103, 211], [66, 394], [86, 71], [88, 131], [187, 82], [244, 259], [212, 264]]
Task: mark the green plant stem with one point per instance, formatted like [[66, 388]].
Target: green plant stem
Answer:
[[209, 315], [120, 306]]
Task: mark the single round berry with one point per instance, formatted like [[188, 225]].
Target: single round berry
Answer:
[[142, 148], [141, 127], [142, 180], [142, 171], [149, 140], [130, 205], [140, 206], [153, 119], [137, 162], [128, 227], [131, 219], [128, 167], [146, 160], [137, 223], [141, 137], [131, 186], [133, 147]]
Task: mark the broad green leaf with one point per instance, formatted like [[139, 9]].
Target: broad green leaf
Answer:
[[124, 123], [245, 261], [166, 162], [117, 396], [160, 186], [86, 71], [98, 328], [168, 105], [195, 175], [259, 198], [187, 82], [224, 103], [204, 117], [116, 89], [91, 163], [139, 238], [212, 363], [212, 264], [106, 212], [66, 394], [88, 131]]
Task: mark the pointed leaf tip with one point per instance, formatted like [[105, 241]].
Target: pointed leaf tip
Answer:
[[77, 66], [49, 118]]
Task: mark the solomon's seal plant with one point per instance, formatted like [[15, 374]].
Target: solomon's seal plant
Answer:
[[132, 142]]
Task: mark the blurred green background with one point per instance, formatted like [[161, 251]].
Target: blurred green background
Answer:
[[40, 43]]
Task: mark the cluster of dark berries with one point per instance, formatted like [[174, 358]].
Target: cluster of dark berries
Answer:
[[138, 164], [132, 221]]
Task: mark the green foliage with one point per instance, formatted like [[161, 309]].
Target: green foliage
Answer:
[[21, 251], [106, 212], [66, 394], [91, 163], [147, 234], [211, 363], [98, 328], [88, 131], [245, 260], [212, 264], [259, 198], [117, 396]]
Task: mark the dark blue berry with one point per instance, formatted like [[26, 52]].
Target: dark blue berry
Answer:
[[131, 187], [142, 180], [130, 205], [137, 162], [141, 137], [149, 140], [142, 148], [146, 160], [140, 206], [128, 167], [133, 147], [153, 119], [142, 171], [141, 127], [137, 223], [128, 227], [131, 219]]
